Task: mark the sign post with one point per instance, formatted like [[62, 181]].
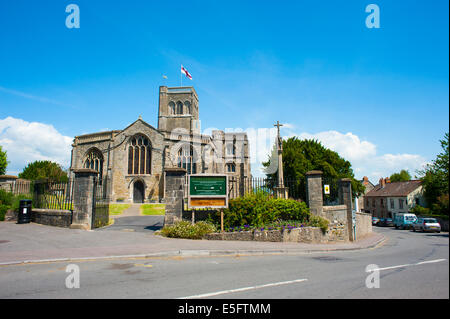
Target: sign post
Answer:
[[208, 191]]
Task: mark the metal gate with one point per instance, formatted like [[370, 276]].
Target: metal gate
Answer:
[[100, 203]]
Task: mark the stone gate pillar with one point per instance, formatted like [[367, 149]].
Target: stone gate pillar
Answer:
[[174, 194], [83, 198], [314, 192], [345, 198]]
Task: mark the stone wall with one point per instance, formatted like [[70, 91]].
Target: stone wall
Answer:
[[363, 225], [52, 217], [337, 215], [174, 195], [311, 235]]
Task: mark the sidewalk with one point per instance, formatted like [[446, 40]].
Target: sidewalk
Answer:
[[26, 243]]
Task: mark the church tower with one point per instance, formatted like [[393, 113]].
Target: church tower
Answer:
[[178, 110]]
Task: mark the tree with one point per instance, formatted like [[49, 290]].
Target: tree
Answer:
[[403, 176], [39, 170], [301, 156], [435, 179], [3, 161]]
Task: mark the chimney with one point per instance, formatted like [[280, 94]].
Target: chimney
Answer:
[[365, 180], [387, 180], [382, 183]]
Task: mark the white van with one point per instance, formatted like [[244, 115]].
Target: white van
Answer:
[[404, 221]]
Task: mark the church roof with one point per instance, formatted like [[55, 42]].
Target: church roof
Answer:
[[143, 122]]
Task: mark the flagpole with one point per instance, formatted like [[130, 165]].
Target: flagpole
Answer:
[[181, 78]]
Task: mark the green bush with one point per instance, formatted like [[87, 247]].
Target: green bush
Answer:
[[6, 198], [318, 221], [9, 201], [419, 210], [260, 209], [204, 228], [439, 209], [3, 210], [185, 229]]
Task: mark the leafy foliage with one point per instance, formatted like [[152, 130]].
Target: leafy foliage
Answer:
[[402, 176], [9, 201], [185, 229], [302, 156], [420, 210], [318, 221], [435, 180], [3, 161], [259, 209], [38, 170]]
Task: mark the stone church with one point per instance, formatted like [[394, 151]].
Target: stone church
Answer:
[[131, 162]]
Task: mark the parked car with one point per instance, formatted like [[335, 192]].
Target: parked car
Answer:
[[380, 221], [386, 222], [375, 220], [404, 221], [426, 224]]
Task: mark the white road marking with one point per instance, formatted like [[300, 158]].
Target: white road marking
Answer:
[[243, 289], [431, 261], [408, 265]]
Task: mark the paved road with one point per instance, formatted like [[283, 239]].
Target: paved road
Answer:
[[412, 265], [136, 224]]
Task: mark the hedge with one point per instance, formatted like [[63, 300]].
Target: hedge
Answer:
[[260, 209]]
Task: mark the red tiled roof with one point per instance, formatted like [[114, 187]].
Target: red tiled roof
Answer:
[[394, 189]]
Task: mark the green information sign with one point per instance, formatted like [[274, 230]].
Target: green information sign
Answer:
[[208, 186]]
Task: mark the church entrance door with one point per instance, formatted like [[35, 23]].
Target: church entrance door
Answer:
[[138, 192]]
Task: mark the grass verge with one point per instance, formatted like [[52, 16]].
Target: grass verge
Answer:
[[117, 209], [153, 209]]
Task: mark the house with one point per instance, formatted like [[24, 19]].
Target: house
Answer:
[[387, 199], [369, 186]]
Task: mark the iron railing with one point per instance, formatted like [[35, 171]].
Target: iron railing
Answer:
[[53, 195]]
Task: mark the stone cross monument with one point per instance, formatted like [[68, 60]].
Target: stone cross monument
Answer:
[[280, 190]]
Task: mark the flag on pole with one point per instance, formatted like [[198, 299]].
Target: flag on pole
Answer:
[[185, 72]]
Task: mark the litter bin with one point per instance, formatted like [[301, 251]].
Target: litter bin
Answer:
[[24, 211]]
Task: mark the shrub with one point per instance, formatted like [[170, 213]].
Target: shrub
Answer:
[[3, 210], [419, 210], [16, 201], [318, 221], [260, 209], [9, 201], [6, 198], [185, 229]]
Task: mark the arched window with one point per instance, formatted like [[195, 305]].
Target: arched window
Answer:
[[94, 160], [171, 108], [179, 108], [187, 104], [186, 159], [231, 168], [139, 156]]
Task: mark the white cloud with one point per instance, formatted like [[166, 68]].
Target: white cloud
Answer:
[[349, 146], [385, 165], [26, 142], [361, 153]]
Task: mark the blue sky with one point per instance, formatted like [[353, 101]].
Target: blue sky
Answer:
[[377, 96]]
